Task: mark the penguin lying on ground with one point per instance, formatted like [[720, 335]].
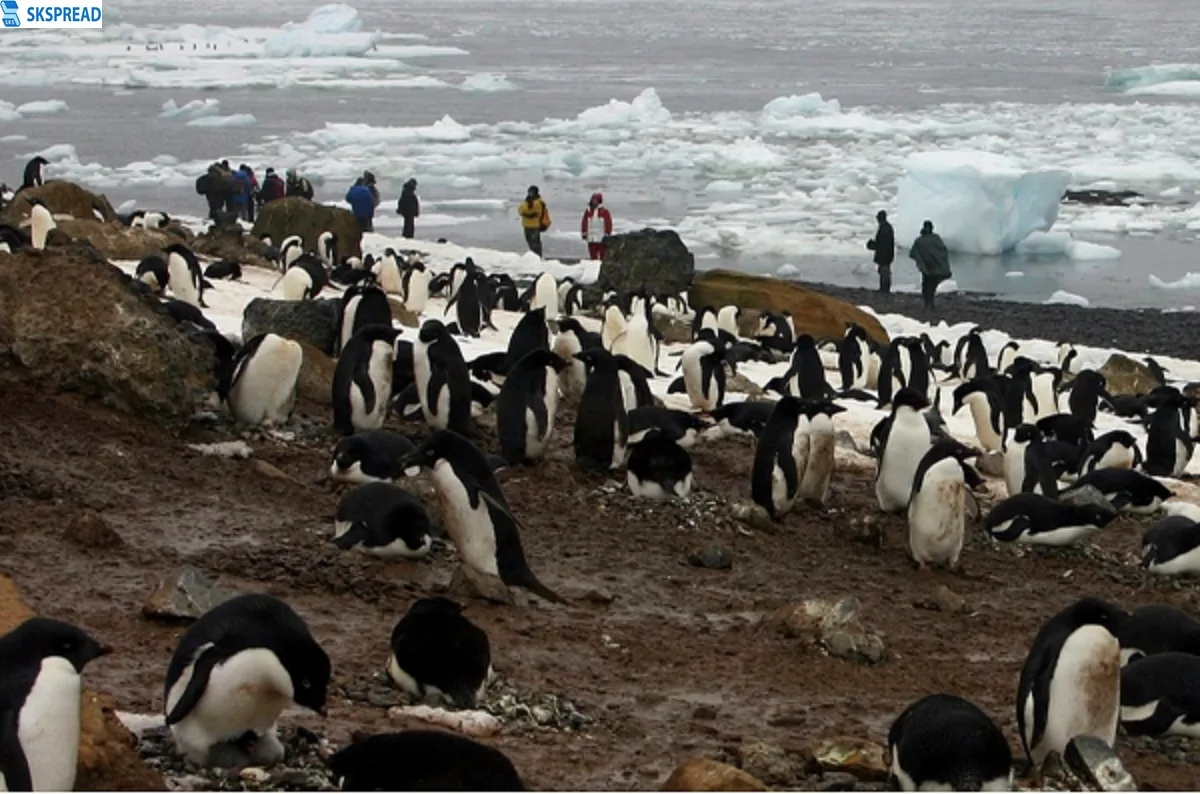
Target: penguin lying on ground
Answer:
[[943, 742], [382, 520], [1171, 547], [371, 456], [1039, 520], [658, 467], [423, 761], [1160, 695], [437, 651], [1158, 628]]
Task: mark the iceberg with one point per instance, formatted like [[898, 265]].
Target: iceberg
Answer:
[[1140, 80], [979, 202], [329, 31]]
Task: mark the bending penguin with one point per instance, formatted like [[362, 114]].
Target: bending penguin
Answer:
[[263, 388], [937, 509], [902, 447], [437, 651], [658, 468], [780, 458], [945, 743], [703, 366], [1171, 547], [818, 469], [1158, 628], [234, 672]]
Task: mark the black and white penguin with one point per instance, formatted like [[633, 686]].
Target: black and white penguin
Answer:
[[1068, 429], [263, 387], [33, 172], [469, 310], [1169, 446], [1127, 490], [415, 287], [527, 404], [1020, 402], [1027, 464], [184, 275], [679, 426], [987, 411], [327, 249], [542, 294], [40, 696], [806, 377], [602, 424], [1087, 390], [570, 302], [436, 651], [504, 291], [432, 761], [290, 250], [529, 335], [224, 269], [612, 326], [1171, 547], [570, 340], [1070, 684], [234, 672], [741, 418], [901, 449], [1116, 449], [1007, 356], [704, 317], [382, 520], [1158, 628], [41, 221], [304, 279], [152, 271], [774, 333], [658, 468], [387, 271], [637, 342], [362, 380], [937, 508], [635, 382], [1160, 696], [475, 513], [970, 356], [780, 458], [443, 382], [1068, 358], [945, 743], [727, 320], [1039, 520], [818, 470], [704, 371], [370, 456], [360, 306], [853, 356]]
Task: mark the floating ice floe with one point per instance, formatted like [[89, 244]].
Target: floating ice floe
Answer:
[[329, 30], [1188, 281], [196, 108], [1157, 79], [484, 82], [234, 120], [1067, 298]]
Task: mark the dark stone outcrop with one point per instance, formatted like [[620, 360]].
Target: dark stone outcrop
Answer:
[[62, 198], [287, 216], [312, 322], [654, 260]]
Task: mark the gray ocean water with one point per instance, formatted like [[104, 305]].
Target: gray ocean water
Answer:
[[703, 56]]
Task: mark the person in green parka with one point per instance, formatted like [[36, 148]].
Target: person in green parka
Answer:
[[933, 260]]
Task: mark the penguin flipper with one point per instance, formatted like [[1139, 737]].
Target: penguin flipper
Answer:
[[523, 576], [540, 415], [362, 379], [1018, 526], [13, 763], [352, 537], [201, 669]]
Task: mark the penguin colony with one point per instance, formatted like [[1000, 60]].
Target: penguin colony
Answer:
[[1091, 667]]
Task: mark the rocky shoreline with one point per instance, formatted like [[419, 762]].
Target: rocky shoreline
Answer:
[[1148, 331]]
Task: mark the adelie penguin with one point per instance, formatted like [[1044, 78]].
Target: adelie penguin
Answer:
[[853, 358], [184, 276], [371, 456], [1160, 696], [1027, 464], [542, 294], [414, 287], [437, 652], [527, 404], [945, 743], [704, 371], [442, 380], [1158, 628], [152, 271], [382, 520], [1171, 547], [1070, 684], [571, 340], [741, 418], [987, 411], [423, 761], [233, 673], [937, 509], [905, 443], [40, 695], [780, 458], [41, 221], [1041, 521], [818, 470], [359, 307], [263, 387], [806, 377], [1116, 449], [530, 334], [476, 515], [658, 468], [1087, 390], [602, 424], [304, 279], [1169, 447], [469, 309], [224, 269], [681, 427], [1127, 490], [362, 381]]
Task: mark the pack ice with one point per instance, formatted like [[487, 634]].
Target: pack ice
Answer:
[[979, 202]]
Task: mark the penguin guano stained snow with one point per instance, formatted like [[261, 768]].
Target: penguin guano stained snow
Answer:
[[382, 520], [42, 662], [475, 513], [436, 651], [945, 743], [234, 672]]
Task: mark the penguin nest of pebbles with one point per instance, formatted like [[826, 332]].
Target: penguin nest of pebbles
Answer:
[[528, 710], [306, 767], [700, 510]]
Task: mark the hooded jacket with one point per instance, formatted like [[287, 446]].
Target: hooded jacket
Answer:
[[409, 205], [361, 202], [931, 256], [597, 222]]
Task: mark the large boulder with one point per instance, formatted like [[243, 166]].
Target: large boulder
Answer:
[[654, 260], [73, 324], [62, 198], [232, 243], [287, 216], [313, 322], [812, 312], [108, 759], [1124, 376], [117, 241]]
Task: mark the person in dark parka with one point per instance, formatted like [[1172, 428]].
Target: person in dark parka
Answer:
[[933, 260], [409, 208], [884, 246]]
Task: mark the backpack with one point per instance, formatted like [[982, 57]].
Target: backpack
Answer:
[[545, 217], [202, 185]]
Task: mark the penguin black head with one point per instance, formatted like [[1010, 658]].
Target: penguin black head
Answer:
[[431, 331], [814, 408], [42, 638], [441, 445], [593, 356], [909, 398], [572, 326], [1091, 610], [1094, 515], [545, 358], [435, 605], [1026, 433], [309, 668], [37, 202]]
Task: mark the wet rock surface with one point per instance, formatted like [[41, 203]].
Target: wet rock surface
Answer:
[[312, 322]]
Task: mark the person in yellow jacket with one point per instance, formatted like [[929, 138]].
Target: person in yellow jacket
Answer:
[[535, 219]]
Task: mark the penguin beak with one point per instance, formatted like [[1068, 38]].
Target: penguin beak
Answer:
[[104, 650]]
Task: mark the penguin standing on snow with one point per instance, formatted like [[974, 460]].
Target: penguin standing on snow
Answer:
[[943, 742], [234, 672], [806, 377], [327, 249], [1070, 684], [466, 298], [780, 458], [530, 334], [970, 356], [1160, 696], [360, 306], [443, 382], [570, 340], [362, 381], [937, 509], [1171, 547], [41, 221], [1169, 447], [437, 651], [901, 449], [818, 470], [477, 517], [414, 287], [602, 425], [1041, 521], [432, 761], [370, 456], [1116, 449], [987, 411], [853, 355], [1158, 628], [304, 279], [1087, 390], [612, 327], [704, 371], [1027, 465], [383, 521], [387, 271], [263, 387], [40, 692], [184, 275], [526, 406], [658, 468]]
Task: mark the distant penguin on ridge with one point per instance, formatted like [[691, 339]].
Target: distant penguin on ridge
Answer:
[[41, 221]]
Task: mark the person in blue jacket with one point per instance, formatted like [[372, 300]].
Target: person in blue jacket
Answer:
[[243, 188], [362, 204]]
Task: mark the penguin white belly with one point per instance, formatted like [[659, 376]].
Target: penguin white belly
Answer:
[[295, 285], [819, 469], [389, 277], [49, 726], [348, 315], [573, 377], [1043, 391], [247, 692], [351, 474], [1014, 467], [179, 280], [872, 371], [935, 516], [639, 346], [379, 370], [628, 391], [644, 489], [779, 494], [1084, 692], [1118, 456], [471, 530], [1183, 728], [614, 325], [693, 377], [1183, 456], [907, 443], [981, 413], [620, 450], [265, 392], [1060, 536], [418, 292], [545, 295], [409, 684], [1141, 510], [1186, 563], [41, 222], [535, 442]]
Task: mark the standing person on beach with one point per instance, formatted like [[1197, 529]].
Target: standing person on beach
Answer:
[[884, 246], [933, 260], [369, 181], [272, 188], [535, 219], [597, 224], [409, 208], [362, 204]]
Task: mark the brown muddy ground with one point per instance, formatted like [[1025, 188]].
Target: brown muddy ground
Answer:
[[674, 666]]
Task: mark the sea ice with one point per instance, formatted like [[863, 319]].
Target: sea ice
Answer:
[[234, 120], [1136, 80], [1190, 280], [1068, 298], [329, 30], [979, 202], [484, 82], [197, 108], [44, 107], [1062, 244]]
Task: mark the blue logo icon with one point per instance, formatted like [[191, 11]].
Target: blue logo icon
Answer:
[[12, 18]]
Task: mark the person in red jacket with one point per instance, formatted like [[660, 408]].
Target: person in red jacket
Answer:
[[597, 224]]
